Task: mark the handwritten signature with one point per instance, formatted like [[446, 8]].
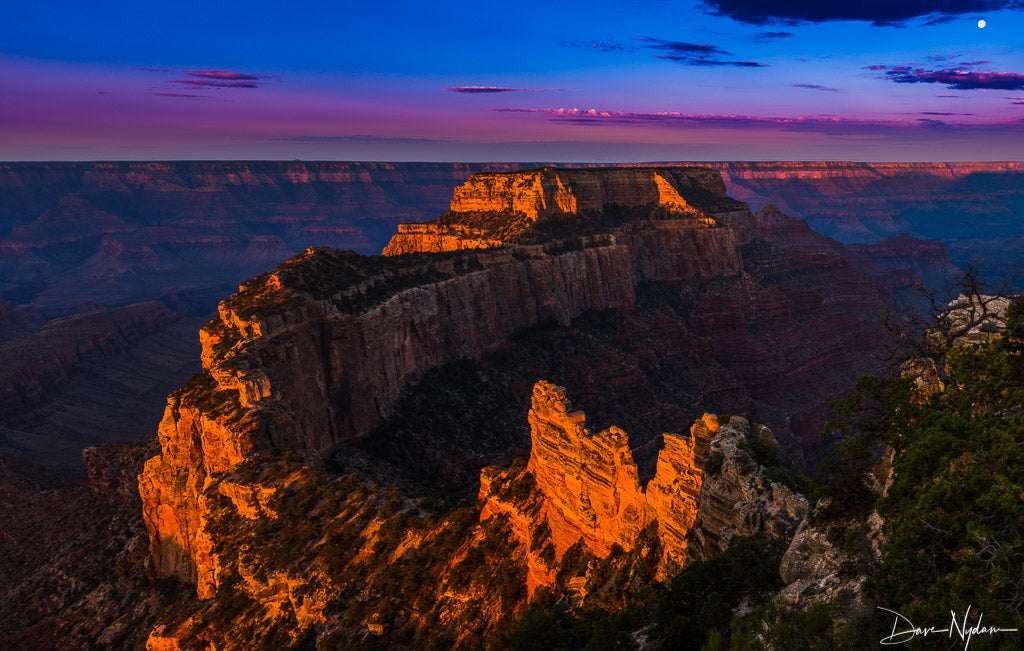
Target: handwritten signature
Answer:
[[903, 630]]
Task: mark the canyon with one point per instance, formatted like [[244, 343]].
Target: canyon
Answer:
[[320, 357], [974, 209], [344, 400], [84, 243], [112, 233], [116, 233], [82, 237]]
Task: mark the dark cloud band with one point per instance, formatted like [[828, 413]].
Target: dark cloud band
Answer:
[[955, 79], [816, 87], [479, 90], [223, 75], [220, 79], [209, 83], [879, 12], [694, 54]]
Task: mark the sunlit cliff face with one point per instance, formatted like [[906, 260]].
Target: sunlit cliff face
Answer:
[[320, 356]]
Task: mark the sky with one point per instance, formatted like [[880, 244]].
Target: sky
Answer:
[[566, 80]]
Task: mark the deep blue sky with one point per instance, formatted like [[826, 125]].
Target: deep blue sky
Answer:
[[602, 80]]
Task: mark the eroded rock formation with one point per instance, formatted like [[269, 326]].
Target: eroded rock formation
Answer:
[[592, 485], [587, 490], [316, 353]]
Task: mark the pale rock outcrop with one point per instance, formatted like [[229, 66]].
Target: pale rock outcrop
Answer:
[[739, 499], [818, 567]]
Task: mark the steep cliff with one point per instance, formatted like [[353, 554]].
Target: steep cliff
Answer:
[[550, 191], [317, 354], [327, 365]]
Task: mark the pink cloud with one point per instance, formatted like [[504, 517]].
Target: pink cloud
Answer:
[[224, 75], [209, 83], [183, 95], [474, 90], [817, 123]]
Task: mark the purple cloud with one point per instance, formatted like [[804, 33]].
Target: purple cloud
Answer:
[[220, 79], [181, 95], [363, 138], [605, 45], [816, 87], [880, 12], [694, 54], [818, 123], [223, 75], [954, 79], [209, 83], [474, 90]]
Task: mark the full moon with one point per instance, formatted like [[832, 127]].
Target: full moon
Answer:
[[981, 24]]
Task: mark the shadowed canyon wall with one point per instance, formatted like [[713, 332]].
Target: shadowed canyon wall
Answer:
[[975, 209]]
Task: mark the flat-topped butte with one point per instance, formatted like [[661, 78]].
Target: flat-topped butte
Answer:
[[496, 209]]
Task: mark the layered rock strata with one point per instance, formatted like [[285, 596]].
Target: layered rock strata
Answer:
[[316, 354], [496, 209]]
